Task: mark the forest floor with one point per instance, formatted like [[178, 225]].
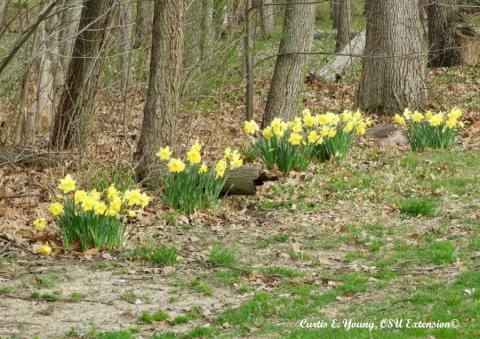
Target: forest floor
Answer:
[[387, 234]]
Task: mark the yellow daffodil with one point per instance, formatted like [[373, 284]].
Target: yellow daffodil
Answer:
[[369, 122], [67, 184], [428, 115], [361, 128], [236, 161], [347, 116], [267, 133], [455, 113], [348, 127], [164, 153], [407, 114], [194, 157], [40, 224], [436, 120], [132, 197], [451, 123], [322, 119], [313, 137], [325, 131], [278, 131], [461, 124], [79, 196], [196, 147], [116, 205], [131, 214], [220, 168], [228, 153], [110, 212], [45, 249], [250, 127], [94, 195], [176, 165], [320, 141], [203, 169], [332, 133], [306, 113], [112, 192], [144, 200], [56, 208], [309, 121], [399, 119], [89, 204], [277, 123], [417, 116], [100, 208], [295, 139]]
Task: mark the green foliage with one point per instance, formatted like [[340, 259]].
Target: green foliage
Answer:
[[223, 255], [422, 135], [198, 285], [415, 207], [158, 255], [148, 318], [100, 176], [336, 147]]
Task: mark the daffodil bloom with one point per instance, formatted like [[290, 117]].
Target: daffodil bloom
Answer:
[[196, 147], [67, 184], [306, 113], [320, 141], [348, 127], [133, 197], [112, 192], [267, 133], [176, 165], [361, 128], [100, 208], [94, 195], [277, 123], [144, 200], [116, 205], [220, 168], [407, 114], [322, 119], [110, 212], [40, 224], [333, 118], [357, 115], [236, 161], [203, 169], [131, 214], [399, 119], [80, 196], [461, 124], [309, 121], [333, 133], [455, 113], [451, 123], [56, 208], [428, 115], [325, 131], [228, 153], [313, 137], [436, 120], [45, 249], [347, 116], [89, 203], [417, 116], [295, 139], [278, 131], [250, 127], [369, 122], [194, 157], [164, 153]]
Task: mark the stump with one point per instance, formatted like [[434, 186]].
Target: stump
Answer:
[[468, 42], [243, 180]]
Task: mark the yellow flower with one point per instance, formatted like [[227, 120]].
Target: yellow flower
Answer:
[[89, 203], [436, 120], [428, 115], [100, 208], [348, 127], [306, 113], [277, 123], [278, 131], [417, 116], [220, 168], [116, 205], [333, 118], [295, 139], [133, 197], [399, 119], [347, 116], [194, 157], [250, 127], [369, 122], [203, 169], [67, 184], [333, 133], [112, 192], [455, 113], [357, 115], [131, 214], [164, 153], [407, 114], [144, 200], [461, 124], [110, 212], [176, 165], [313, 137], [267, 133], [451, 123], [196, 147], [236, 161], [45, 249], [325, 131], [94, 195], [40, 224], [309, 121], [228, 153], [361, 128], [80, 196], [320, 141], [56, 208]]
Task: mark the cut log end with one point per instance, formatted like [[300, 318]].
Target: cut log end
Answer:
[[243, 180]]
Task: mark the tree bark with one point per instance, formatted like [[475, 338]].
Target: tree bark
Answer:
[[393, 76], [77, 99], [70, 19], [442, 20], [242, 181], [163, 96], [343, 24], [206, 27], [125, 21], [3, 13], [143, 22], [287, 82], [268, 18]]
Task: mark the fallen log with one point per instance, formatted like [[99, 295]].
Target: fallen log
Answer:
[[336, 67], [243, 180]]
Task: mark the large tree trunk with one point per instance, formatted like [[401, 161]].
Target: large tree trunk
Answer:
[[393, 76], [206, 26], [287, 82], [162, 104], [70, 19], [268, 18], [343, 24], [143, 22], [125, 15], [442, 22], [77, 100]]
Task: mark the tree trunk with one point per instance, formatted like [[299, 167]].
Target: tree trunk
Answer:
[[334, 14], [163, 96], [77, 100], [268, 18], [442, 20], [143, 22], [3, 13], [70, 19], [287, 82], [206, 28], [393, 76], [126, 32], [343, 24]]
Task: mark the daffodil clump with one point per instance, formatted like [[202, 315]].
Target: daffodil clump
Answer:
[[431, 130], [92, 218], [291, 145], [190, 183]]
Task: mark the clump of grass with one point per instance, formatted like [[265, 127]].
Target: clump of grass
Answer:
[[123, 334], [148, 318], [76, 297], [276, 238], [158, 255], [46, 296], [198, 285], [415, 207], [101, 177], [440, 252], [223, 255], [5, 290]]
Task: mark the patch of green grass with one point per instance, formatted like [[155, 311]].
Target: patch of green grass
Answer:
[[5, 290], [201, 287], [227, 276], [260, 305], [158, 255], [148, 318], [202, 332], [46, 280], [48, 296], [439, 252], [273, 239], [416, 206], [122, 334], [221, 255], [283, 271], [185, 318], [76, 297], [376, 245]]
